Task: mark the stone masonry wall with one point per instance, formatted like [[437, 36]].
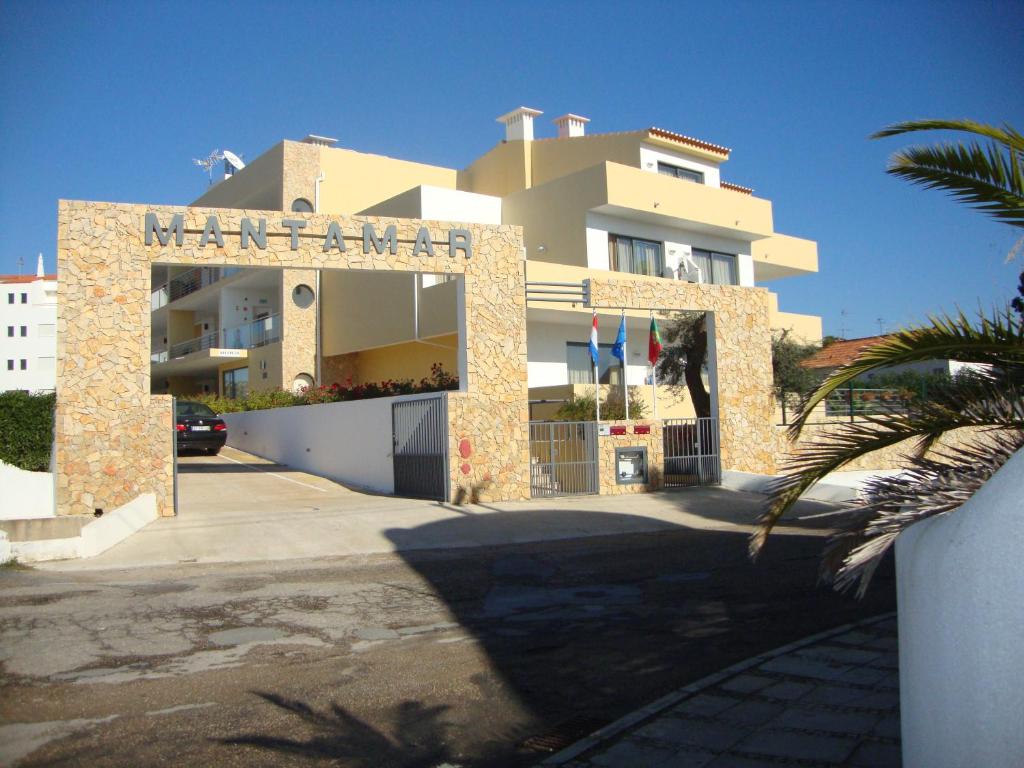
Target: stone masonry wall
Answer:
[[298, 327], [113, 439], [742, 356]]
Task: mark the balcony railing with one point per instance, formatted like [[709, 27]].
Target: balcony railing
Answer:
[[258, 333], [194, 279]]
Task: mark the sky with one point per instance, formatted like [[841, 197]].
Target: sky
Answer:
[[112, 101]]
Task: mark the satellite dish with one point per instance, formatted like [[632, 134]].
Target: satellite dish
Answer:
[[233, 160]]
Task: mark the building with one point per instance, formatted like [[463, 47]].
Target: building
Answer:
[[28, 325], [839, 353], [648, 205], [316, 264]]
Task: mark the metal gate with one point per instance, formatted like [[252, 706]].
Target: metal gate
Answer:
[[691, 452], [563, 458], [419, 433]]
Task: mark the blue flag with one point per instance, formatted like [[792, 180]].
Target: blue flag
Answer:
[[619, 348]]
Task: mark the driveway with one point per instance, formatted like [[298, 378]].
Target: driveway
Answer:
[[236, 508]]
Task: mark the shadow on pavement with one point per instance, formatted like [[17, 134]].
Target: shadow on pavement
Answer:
[[577, 633]]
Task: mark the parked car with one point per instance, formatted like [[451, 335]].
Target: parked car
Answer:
[[199, 428]]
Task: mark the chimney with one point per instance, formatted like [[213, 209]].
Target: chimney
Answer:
[[519, 123], [40, 272], [320, 141], [571, 125]]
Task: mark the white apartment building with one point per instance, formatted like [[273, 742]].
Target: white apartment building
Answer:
[[28, 331]]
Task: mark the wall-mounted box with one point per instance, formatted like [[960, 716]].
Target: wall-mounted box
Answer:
[[617, 430], [604, 430], [631, 465], [641, 429]]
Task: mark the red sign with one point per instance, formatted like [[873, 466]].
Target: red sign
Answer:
[[618, 430], [642, 429]]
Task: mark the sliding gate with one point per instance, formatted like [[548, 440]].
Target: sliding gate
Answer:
[[563, 458], [691, 452], [419, 433]]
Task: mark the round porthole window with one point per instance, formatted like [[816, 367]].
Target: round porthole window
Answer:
[[302, 382], [303, 296], [302, 205]]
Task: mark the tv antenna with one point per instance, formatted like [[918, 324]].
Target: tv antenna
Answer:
[[843, 314], [207, 163], [881, 325]]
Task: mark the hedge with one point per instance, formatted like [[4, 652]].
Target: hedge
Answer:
[[26, 429]]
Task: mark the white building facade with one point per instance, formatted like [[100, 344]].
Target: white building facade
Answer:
[[28, 331]]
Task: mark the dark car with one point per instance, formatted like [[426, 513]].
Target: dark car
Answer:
[[199, 428]]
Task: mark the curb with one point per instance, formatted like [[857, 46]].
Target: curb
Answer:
[[670, 700]]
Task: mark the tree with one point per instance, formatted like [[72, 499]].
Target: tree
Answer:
[[788, 376], [939, 479], [684, 356]]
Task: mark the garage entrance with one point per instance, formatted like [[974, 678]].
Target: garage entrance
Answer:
[[419, 434]]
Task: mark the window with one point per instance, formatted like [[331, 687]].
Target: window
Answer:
[[236, 382], [24, 331], [10, 365], [630, 254], [581, 367], [10, 298], [10, 331], [24, 364], [24, 298], [716, 268], [686, 174], [302, 205]]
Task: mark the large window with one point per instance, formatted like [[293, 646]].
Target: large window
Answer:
[[716, 268], [581, 367], [686, 174], [236, 382], [630, 254]]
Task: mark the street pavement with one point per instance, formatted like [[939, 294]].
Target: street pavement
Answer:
[[828, 700], [475, 639]]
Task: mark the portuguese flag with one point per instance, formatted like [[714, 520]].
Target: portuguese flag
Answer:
[[653, 343]]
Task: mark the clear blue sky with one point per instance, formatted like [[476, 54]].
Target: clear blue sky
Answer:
[[111, 101]]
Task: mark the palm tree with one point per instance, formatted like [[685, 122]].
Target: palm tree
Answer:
[[939, 478]]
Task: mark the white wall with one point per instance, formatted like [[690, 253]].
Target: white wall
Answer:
[[546, 352], [678, 243], [649, 159], [455, 205], [961, 620], [39, 347], [440, 204], [347, 442], [238, 305], [25, 494]]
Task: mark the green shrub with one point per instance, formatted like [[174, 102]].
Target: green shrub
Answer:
[[26, 427], [613, 407]]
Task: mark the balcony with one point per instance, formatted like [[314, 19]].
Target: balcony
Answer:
[[187, 283], [259, 333], [783, 256], [634, 193]]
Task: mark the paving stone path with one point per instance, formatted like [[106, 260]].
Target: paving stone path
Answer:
[[828, 700]]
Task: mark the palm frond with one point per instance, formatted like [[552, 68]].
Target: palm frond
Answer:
[[1004, 135], [929, 487], [989, 403], [997, 340], [989, 177]]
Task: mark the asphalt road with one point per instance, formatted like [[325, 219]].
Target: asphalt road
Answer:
[[471, 657]]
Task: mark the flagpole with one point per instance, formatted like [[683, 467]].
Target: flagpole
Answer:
[[595, 356], [597, 394], [625, 357], [654, 380]]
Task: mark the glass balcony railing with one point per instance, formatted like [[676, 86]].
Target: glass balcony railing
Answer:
[[258, 333]]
